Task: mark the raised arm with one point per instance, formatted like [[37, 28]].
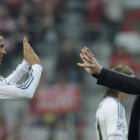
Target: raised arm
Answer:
[[109, 78], [118, 81], [26, 90], [22, 68], [20, 71], [22, 91]]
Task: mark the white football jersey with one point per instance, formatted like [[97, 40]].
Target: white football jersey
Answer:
[[9, 89], [110, 120]]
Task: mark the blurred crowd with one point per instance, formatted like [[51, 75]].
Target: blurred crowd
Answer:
[[57, 30]]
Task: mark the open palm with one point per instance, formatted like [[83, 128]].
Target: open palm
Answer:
[[90, 63], [89, 70]]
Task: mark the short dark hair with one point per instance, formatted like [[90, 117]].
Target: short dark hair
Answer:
[[122, 69]]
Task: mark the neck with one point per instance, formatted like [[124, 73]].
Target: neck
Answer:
[[120, 98]]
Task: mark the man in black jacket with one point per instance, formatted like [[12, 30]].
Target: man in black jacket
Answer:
[[118, 81]]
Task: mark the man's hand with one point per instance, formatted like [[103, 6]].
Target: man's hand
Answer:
[[29, 54], [90, 63]]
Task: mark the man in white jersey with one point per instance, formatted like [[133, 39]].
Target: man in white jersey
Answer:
[[9, 89], [110, 117]]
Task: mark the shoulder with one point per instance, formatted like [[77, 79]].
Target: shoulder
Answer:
[[111, 106], [108, 105], [113, 109], [111, 102]]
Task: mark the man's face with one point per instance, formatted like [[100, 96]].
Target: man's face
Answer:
[[2, 50]]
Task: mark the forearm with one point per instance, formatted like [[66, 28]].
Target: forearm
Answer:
[[21, 70], [118, 81], [95, 76], [29, 87], [116, 138], [22, 91]]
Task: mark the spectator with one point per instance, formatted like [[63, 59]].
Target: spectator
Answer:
[[7, 22], [94, 9], [121, 56], [66, 62]]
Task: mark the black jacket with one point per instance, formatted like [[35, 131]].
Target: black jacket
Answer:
[[127, 84]]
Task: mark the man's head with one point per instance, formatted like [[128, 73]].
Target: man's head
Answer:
[[114, 93], [2, 50]]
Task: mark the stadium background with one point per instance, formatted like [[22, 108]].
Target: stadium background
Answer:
[[67, 98]]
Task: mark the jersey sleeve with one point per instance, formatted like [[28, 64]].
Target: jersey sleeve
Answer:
[[20, 71], [114, 120], [115, 138], [26, 90], [119, 81]]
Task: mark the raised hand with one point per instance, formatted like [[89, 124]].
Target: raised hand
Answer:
[[90, 63], [29, 54], [25, 44]]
